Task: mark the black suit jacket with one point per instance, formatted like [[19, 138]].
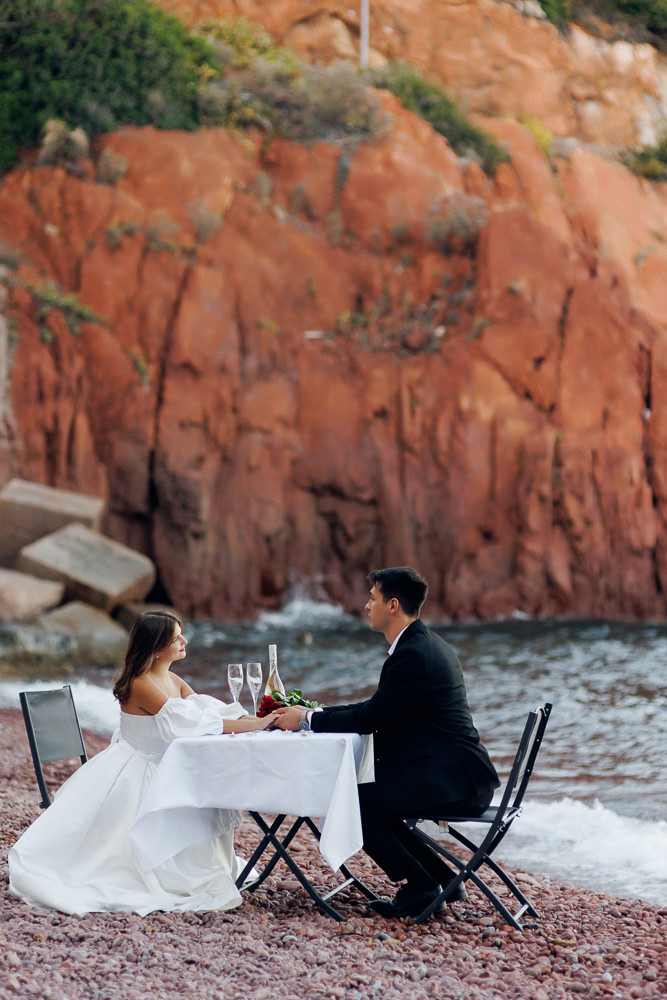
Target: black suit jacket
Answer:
[[427, 750]]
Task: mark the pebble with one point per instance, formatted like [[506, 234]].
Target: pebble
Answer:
[[279, 945]]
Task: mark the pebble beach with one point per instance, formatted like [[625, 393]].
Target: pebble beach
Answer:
[[278, 944]]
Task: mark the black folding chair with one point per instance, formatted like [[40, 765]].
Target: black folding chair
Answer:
[[53, 730], [498, 818]]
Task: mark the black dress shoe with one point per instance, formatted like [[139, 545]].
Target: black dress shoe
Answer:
[[406, 903], [458, 895]]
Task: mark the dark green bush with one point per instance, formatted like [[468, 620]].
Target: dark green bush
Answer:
[[428, 100], [95, 64], [558, 11], [650, 162], [652, 13], [633, 18]]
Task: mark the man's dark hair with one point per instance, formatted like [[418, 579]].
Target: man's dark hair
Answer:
[[403, 583]]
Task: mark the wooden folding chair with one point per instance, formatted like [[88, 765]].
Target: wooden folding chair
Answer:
[[498, 819], [53, 730]]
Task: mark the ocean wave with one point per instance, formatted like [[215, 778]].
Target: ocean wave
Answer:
[[96, 706], [589, 845], [304, 612]]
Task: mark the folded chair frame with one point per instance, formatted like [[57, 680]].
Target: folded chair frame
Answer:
[[498, 819]]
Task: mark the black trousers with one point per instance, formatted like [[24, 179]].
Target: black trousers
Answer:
[[395, 847]]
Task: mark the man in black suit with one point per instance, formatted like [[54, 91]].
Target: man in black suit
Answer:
[[427, 752]]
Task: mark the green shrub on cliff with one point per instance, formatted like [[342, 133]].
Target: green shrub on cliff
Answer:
[[428, 100], [558, 11], [90, 66], [267, 86], [95, 64], [651, 13], [650, 162], [238, 42], [633, 18]]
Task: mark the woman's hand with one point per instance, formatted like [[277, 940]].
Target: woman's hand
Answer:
[[249, 724]]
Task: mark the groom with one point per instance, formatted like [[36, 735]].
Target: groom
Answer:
[[428, 756]]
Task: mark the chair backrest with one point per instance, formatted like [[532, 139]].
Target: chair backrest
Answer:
[[53, 730], [524, 760]]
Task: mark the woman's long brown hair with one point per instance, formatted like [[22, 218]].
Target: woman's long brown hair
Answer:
[[152, 632]]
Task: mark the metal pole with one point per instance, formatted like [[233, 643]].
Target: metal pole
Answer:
[[363, 47]]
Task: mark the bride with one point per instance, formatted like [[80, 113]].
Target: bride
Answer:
[[77, 856]]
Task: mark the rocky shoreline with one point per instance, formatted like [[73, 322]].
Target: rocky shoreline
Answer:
[[279, 945]]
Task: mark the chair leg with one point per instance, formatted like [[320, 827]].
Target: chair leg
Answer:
[[526, 906], [469, 872]]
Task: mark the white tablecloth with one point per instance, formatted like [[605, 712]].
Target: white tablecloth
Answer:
[[300, 774]]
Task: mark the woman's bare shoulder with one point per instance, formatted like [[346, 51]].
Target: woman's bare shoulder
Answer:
[[183, 686], [146, 696]]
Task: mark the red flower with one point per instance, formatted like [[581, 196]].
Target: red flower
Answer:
[[267, 705]]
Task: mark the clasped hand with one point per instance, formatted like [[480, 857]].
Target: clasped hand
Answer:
[[287, 719]]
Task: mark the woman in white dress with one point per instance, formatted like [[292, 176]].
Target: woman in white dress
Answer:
[[77, 856]]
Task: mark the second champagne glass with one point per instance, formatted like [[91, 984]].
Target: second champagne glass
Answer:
[[253, 674], [235, 679]]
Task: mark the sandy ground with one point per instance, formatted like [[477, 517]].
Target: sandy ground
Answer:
[[278, 944]]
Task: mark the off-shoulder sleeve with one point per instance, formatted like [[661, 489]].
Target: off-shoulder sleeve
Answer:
[[196, 715]]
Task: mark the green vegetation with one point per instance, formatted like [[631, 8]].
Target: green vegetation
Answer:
[[650, 162], [559, 11], [428, 100], [237, 42], [632, 18], [543, 137], [95, 64], [49, 296], [70, 69], [266, 86]]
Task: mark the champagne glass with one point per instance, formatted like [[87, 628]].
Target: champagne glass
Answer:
[[253, 672], [235, 679]]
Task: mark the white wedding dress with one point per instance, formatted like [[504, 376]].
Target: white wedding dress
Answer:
[[77, 856]]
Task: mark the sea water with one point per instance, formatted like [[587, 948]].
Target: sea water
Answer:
[[596, 810]]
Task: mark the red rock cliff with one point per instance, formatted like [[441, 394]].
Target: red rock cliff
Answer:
[[298, 380], [495, 59]]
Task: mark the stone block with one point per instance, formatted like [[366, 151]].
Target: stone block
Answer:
[[23, 596], [99, 641], [94, 569], [28, 651], [29, 511]]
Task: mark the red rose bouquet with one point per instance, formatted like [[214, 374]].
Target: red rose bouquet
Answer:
[[270, 702]]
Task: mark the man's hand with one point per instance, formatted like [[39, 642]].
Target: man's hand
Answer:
[[288, 718]]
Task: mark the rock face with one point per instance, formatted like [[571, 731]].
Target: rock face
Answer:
[[23, 596], [30, 510], [95, 569], [295, 379], [96, 637], [498, 58]]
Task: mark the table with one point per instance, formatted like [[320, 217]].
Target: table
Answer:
[[304, 775]]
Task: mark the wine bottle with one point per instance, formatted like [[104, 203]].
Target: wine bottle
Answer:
[[273, 681]]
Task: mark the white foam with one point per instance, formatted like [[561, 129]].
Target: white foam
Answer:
[[96, 706], [303, 612], [591, 846]]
